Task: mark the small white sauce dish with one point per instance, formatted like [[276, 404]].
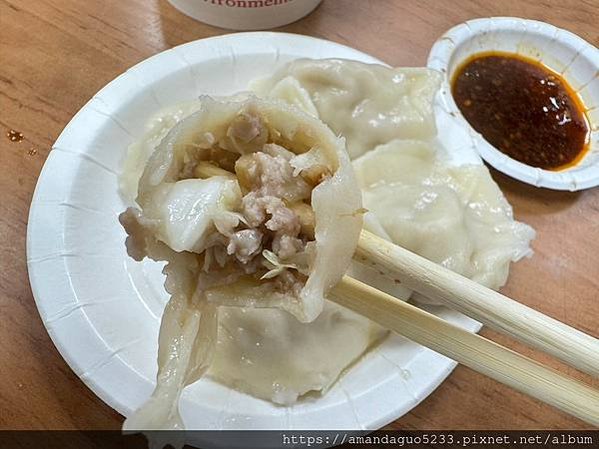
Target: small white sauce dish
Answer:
[[576, 60]]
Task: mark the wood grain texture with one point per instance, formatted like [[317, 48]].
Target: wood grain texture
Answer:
[[469, 349], [55, 54], [491, 308]]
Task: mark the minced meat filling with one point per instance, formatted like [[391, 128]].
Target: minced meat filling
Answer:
[[270, 236]]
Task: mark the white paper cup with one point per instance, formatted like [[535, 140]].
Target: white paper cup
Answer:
[[246, 14], [569, 55]]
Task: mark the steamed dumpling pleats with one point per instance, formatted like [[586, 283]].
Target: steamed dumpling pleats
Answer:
[[368, 104]]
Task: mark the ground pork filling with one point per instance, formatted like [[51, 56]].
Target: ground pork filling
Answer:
[[271, 236]]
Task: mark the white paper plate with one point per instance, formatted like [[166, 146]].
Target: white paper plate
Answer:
[[560, 50], [102, 309]]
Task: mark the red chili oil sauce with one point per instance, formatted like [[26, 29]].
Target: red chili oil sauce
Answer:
[[523, 109]]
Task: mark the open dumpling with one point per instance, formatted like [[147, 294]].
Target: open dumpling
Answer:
[[368, 104], [254, 187], [252, 203]]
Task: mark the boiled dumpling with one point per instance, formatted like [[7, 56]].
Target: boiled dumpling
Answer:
[[454, 216], [264, 169], [251, 203], [368, 104], [269, 354]]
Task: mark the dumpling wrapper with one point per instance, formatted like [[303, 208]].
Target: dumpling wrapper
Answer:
[[140, 151], [334, 200], [269, 354], [185, 210], [176, 215], [454, 216], [368, 104]]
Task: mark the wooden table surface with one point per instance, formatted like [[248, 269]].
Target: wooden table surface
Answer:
[[55, 54]]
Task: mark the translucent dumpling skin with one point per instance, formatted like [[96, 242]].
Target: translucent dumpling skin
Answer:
[[368, 104], [186, 210], [251, 203], [269, 354], [256, 206], [455, 216]]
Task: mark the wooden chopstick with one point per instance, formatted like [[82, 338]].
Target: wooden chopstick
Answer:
[[472, 350], [481, 303]]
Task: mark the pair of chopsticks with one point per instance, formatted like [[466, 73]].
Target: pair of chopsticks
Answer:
[[494, 309]]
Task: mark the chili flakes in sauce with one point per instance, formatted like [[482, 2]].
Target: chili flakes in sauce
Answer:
[[523, 109]]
